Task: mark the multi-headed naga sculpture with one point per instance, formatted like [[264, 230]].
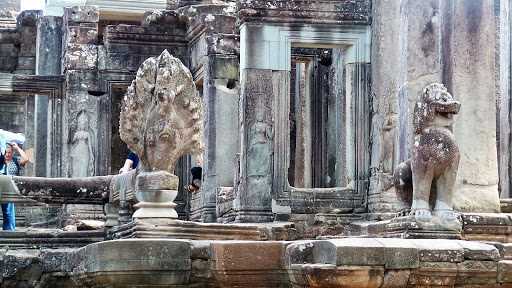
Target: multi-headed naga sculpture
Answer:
[[427, 180], [161, 120], [161, 116]]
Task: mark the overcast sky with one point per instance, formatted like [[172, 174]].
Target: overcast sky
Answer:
[[32, 4]]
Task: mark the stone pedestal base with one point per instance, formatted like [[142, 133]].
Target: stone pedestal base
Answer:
[[177, 229], [155, 204], [407, 227]]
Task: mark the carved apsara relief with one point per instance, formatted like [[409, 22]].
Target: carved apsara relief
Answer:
[[83, 139], [260, 125]]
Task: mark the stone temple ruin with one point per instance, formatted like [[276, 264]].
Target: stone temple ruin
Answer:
[[306, 114]]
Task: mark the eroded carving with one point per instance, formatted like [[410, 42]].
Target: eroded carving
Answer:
[[161, 116], [427, 179], [260, 150], [82, 155]]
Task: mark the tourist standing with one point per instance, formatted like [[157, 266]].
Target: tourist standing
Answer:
[[12, 166]]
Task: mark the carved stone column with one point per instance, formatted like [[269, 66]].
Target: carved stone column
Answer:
[[469, 74], [81, 126], [254, 201], [215, 57], [386, 25], [48, 62], [419, 61]]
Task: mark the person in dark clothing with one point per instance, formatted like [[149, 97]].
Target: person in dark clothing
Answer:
[[132, 161], [197, 176]]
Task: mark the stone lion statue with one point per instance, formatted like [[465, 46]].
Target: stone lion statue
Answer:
[[426, 180]]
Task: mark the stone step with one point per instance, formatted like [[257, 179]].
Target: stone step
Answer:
[[49, 238]]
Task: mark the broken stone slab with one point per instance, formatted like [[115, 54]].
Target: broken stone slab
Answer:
[[479, 251], [89, 190]]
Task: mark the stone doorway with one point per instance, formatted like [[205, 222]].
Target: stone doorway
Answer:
[[317, 107]]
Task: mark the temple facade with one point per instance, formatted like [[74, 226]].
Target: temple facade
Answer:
[[307, 104]]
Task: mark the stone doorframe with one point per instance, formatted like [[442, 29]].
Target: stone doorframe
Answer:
[[268, 47], [53, 88]]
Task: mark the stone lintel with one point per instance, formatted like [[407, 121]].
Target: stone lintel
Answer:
[[310, 12]]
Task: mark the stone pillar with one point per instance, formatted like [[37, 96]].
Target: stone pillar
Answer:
[[504, 113], [254, 201], [419, 61], [385, 58], [82, 128], [27, 21], [469, 74], [221, 109], [48, 62]]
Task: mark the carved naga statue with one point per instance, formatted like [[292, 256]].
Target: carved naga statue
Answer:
[[427, 180], [161, 120]]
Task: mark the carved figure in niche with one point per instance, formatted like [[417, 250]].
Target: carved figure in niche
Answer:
[[390, 136], [427, 179], [260, 151], [82, 156], [161, 114]]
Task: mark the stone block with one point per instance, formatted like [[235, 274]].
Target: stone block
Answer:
[[396, 278], [9, 50], [399, 253], [506, 250], [81, 14], [83, 80], [28, 49], [223, 67], [476, 272], [486, 237], [144, 49], [200, 249], [56, 260], [8, 63], [349, 251], [327, 275], [130, 62], [505, 271], [81, 57], [81, 35], [49, 54], [105, 262], [156, 181], [433, 274], [21, 266], [161, 18], [434, 250], [26, 63], [249, 264], [479, 251], [10, 36], [248, 255], [299, 252], [486, 219], [28, 18]]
